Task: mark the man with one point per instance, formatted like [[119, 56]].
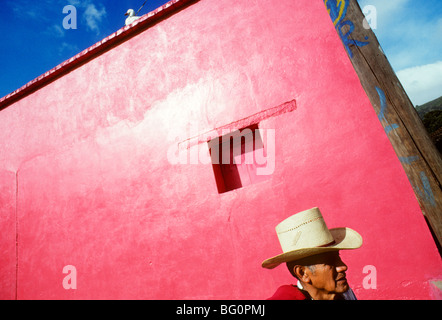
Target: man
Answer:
[[311, 253]]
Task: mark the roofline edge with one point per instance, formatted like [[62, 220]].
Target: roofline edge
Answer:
[[121, 35]]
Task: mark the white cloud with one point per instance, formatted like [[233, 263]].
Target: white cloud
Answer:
[[56, 31], [409, 32], [74, 2], [387, 11], [92, 14], [93, 17], [64, 47], [40, 11], [422, 83]]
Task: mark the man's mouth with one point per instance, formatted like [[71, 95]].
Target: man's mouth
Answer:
[[343, 278]]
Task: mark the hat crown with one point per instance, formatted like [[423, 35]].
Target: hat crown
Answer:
[[305, 229]]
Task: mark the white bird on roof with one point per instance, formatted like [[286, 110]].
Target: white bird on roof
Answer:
[[131, 16]]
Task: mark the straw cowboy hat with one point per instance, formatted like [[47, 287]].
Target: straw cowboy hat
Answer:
[[306, 234]]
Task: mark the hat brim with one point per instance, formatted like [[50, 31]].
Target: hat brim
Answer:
[[345, 239]]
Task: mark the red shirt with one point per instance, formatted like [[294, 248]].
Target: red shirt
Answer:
[[288, 292]]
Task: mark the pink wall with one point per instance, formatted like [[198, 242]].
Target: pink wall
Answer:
[[96, 189]]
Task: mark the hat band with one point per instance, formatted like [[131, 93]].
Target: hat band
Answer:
[[302, 224], [328, 244]]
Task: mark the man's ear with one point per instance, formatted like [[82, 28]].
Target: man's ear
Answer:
[[301, 274]]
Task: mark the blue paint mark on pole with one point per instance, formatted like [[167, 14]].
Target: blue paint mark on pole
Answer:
[[409, 160], [391, 127], [337, 10], [346, 37], [429, 196], [426, 194], [381, 114]]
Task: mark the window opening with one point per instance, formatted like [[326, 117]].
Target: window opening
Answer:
[[236, 158]]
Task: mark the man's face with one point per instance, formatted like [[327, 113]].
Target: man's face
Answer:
[[328, 272]]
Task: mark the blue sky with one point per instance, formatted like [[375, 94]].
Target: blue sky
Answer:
[[410, 33], [33, 40]]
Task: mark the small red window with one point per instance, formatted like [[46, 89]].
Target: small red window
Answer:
[[235, 158]]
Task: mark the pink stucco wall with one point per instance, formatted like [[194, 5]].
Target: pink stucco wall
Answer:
[[85, 179]]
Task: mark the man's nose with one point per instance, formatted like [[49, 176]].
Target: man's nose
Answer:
[[341, 266]]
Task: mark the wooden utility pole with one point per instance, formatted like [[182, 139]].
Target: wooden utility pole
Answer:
[[419, 157]]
